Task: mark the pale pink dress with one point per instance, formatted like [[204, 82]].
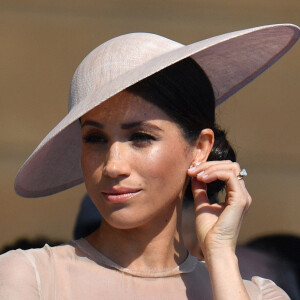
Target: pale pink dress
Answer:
[[78, 271]]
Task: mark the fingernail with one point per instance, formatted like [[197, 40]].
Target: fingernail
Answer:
[[201, 173]]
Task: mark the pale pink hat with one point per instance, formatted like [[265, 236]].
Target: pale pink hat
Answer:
[[230, 61]]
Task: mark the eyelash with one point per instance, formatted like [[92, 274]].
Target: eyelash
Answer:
[[94, 138], [142, 138], [138, 138]]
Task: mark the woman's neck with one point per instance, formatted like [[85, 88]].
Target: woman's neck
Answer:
[[156, 246]]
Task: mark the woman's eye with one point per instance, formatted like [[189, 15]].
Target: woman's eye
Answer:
[[94, 139], [142, 138]]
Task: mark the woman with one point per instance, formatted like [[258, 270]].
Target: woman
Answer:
[[141, 133]]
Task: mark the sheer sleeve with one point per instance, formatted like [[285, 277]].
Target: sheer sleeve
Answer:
[[18, 277], [264, 289]]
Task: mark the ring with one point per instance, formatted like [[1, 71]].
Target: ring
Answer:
[[242, 174]]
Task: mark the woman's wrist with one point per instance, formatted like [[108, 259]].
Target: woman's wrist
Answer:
[[220, 255], [225, 276]]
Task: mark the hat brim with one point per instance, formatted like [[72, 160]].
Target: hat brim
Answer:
[[230, 61]]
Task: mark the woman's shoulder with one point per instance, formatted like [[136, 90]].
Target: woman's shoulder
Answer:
[[20, 263], [15, 263], [18, 276], [43, 258], [45, 254], [30, 273], [264, 288]]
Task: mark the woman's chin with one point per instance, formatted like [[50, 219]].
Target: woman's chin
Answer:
[[125, 220]]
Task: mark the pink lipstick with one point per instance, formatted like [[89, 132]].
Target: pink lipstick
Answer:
[[119, 195]]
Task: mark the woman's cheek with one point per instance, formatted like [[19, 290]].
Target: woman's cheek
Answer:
[[90, 165], [165, 164]]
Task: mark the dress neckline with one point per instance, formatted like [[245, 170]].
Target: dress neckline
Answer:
[[187, 266]]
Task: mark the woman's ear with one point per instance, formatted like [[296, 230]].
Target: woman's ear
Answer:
[[204, 145]]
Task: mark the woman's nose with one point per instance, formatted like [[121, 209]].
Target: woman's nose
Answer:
[[116, 163]]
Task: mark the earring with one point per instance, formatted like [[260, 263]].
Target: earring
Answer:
[[194, 165]]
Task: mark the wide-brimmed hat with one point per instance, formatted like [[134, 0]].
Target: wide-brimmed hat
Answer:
[[230, 61]]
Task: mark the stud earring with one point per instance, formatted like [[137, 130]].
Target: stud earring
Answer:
[[194, 165]]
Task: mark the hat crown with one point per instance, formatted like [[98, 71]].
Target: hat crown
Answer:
[[114, 58]]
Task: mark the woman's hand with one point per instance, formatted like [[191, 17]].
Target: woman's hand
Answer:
[[218, 225]]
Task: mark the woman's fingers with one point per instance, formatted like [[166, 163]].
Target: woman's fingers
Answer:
[[214, 165], [219, 224], [226, 171], [210, 166], [233, 184], [199, 192]]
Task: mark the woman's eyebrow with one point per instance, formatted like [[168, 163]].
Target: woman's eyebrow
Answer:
[[141, 124], [92, 123]]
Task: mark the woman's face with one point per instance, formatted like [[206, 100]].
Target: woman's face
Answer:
[[134, 160]]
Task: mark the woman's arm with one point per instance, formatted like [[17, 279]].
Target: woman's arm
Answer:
[[225, 276], [18, 280], [218, 226]]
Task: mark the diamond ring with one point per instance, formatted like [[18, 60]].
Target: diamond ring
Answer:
[[242, 174]]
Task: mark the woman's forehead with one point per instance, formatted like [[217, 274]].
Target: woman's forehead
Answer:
[[125, 106]]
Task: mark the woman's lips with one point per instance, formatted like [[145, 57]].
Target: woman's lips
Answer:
[[119, 196]]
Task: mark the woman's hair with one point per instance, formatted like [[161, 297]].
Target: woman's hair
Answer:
[[184, 93]]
